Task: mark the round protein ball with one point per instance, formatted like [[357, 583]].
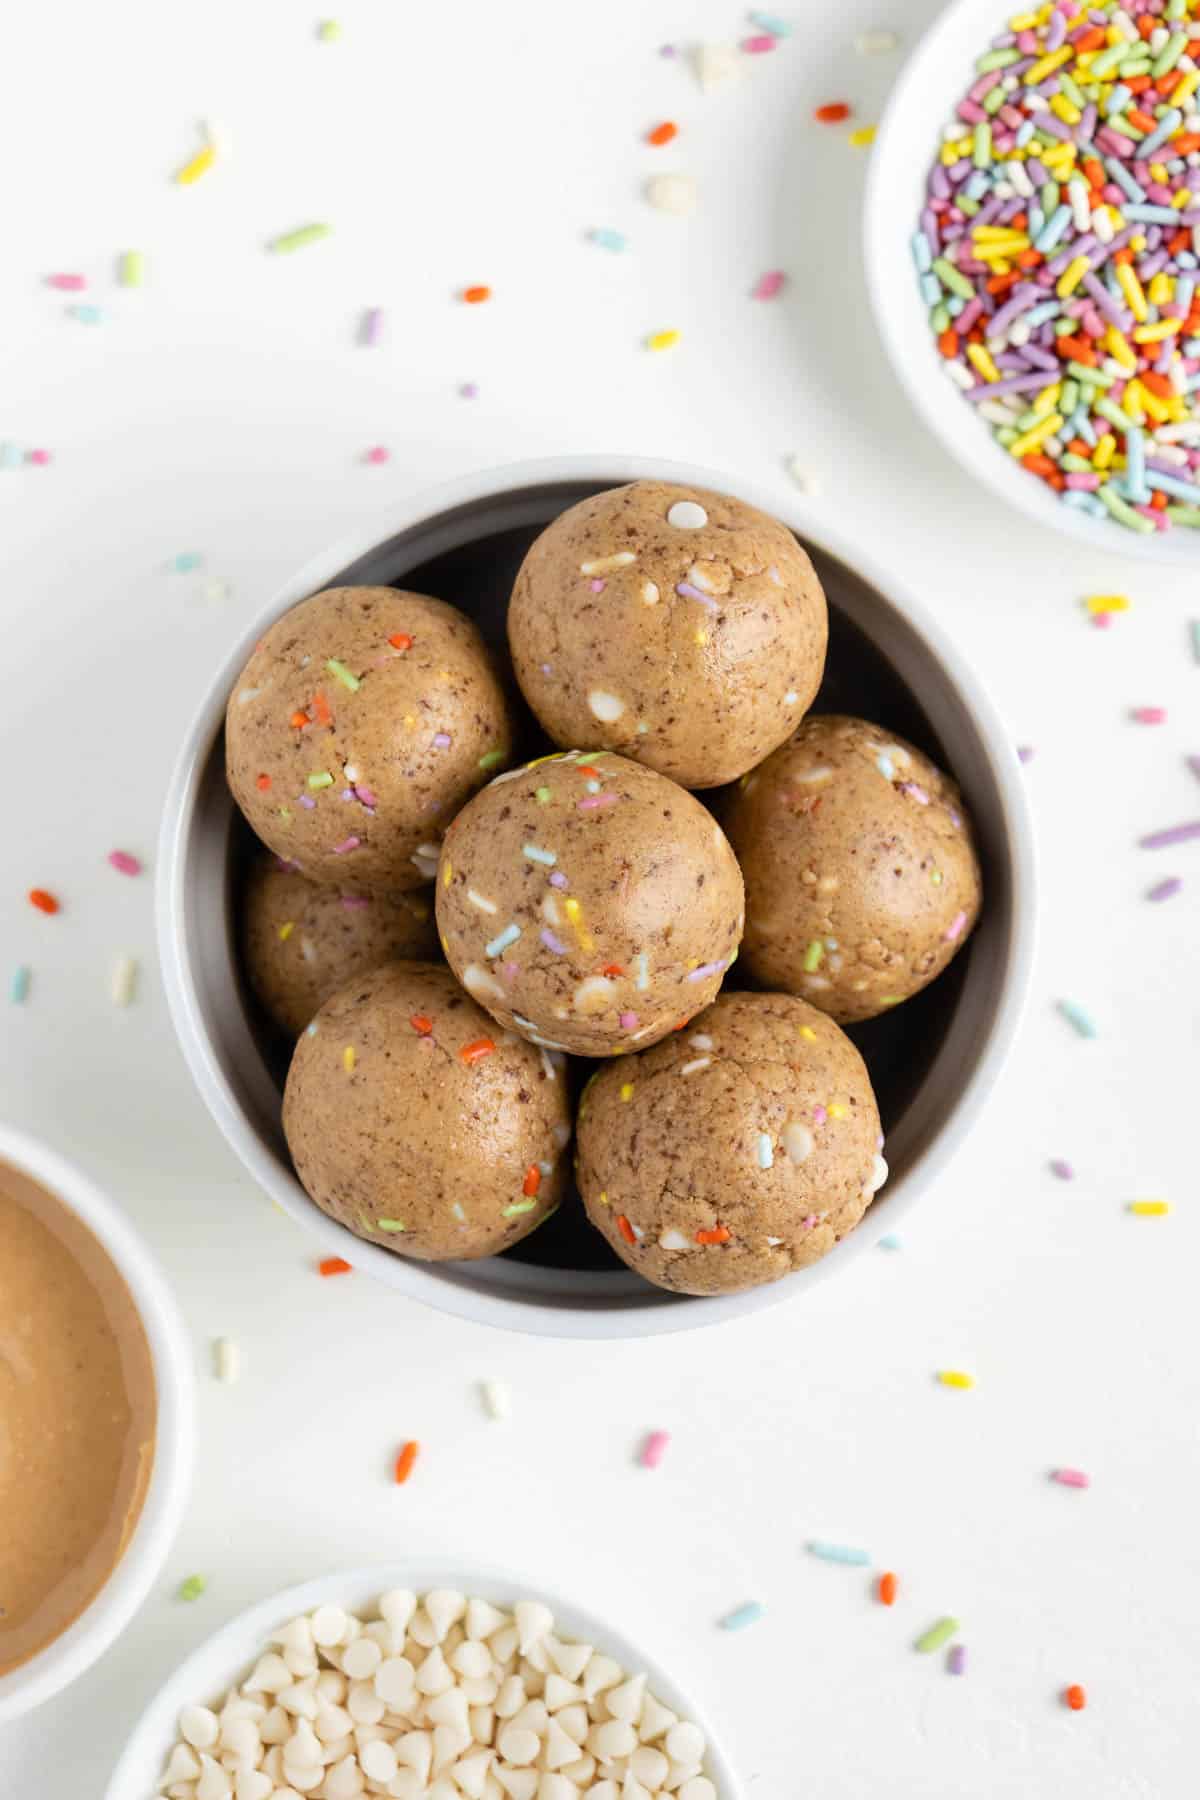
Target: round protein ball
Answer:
[[678, 626], [862, 880], [362, 722], [589, 903], [735, 1152], [302, 939], [415, 1123]]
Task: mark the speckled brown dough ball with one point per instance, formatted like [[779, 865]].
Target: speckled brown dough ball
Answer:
[[589, 903], [418, 1125], [735, 1152], [678, 626], [302, 939], [861, 875], [362, 722]]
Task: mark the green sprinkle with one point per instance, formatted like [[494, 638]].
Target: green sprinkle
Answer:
[[285, 813], [1106, 62], [981, 152], [1074, 465], [814, 956], [966, 205], [996, 59], [950, 277], [889, 999], [1069, 398], [390, 1225], [1076, 1017], [322, 780], [343, 674], [131, 270], [936, 1636], [18, 987], [542, 795], [1049, 197], [193, 1587], [1169, 55], [1186, 515], [329, 31], [939, 318], [1071, 89], [517, 1208], [993, 101], [491, 759], [1005, 435], [936, 878], [1081, 373], [296, 240], [1124, 514]]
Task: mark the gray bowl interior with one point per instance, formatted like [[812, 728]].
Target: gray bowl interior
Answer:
[[921, 1056]]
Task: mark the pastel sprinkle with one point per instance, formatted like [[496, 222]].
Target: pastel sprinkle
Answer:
[[192, 1587], [497, 1399], [534, 854], [1098, 604], [1075, 1697], [703, 971], [955, 1378], [759, 45], [391, 1225], [124, 862], [663, 134], [227, 1360], [441, 740], [349, 1059], [766, 1152], [131, 269], [18, 985], [663, 340], [771, 23], [87, 315], [838, 1553], [299, 239], [1073, 1478], [329, 31], [887, 1589], [1077, 1018], [321, 779], [741, 1616], [377, 454], [475, 296], [346, 845], [954, 930], [956, 1662], [499, 944], [1175, 834], [863, 137], [875, 43], [1164, 890], [1149, 715], [67, 284], [123, 980], [814, 955], [889, 1242], [769, 285], [936, 1636], [333, 1265], [1062, 1169], [1150, 1209], [606, 239], [628, 1021], [200, 164], [552, 943], [475, 1051], [654, 1449], [490, 759], [370, 332], [343, 674], [44, 901], [593, 802], [405, 1462], [517, 1208]]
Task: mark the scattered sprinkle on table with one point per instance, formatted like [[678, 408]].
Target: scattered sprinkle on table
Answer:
[[475, 296], [333, 1265], [468, 390], [1101, 604], [227, 1360], [371, 330], [832, 113], [741, 1616], [955, 1378], [1175, 834], [886, 1590], [838, 1553], [1150, 1209], [1164, 890], [87, 315], [1075, 1697], [759, 45], [769, 285], [405, 1461], [654, 1449], [124, 862], [329, 31], [936, 1636], [1148, 715], [771, 23], [44, 901], [663, 340], [956, 1662], [1072, 1478], [377, 454], [131, 268], [1077, 1018], [1062, 1169], [123, 981], [662, 134], [606, 239], [863, 137], [186, 561], [67, 284], [200, 164], [193, 1587], [672, 194], [889, 1241], [497, 1399], [1025, 753], [18, 985], [299, 239]]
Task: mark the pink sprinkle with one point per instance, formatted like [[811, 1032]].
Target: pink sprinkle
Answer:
[[1102, 621], [510, 970], [954, 930], [1024, 753], [39, 458], [819, 1114], [67, 284], [558, 879], [469, 390], [654, 1449], [758, 46], [355, 901], [1164, 890], [590, 802], [372, 325], [956, 1662], [124, 863], [768, 285], [916, 790], [368, 796], [1062, 1169], [441, 740], [704, 970], [809, 1222], [1174, 834], [597, 586], [627, 1021], [553, 943], [1149, 715], [347, 844], [378, 454], [1071, 1478]]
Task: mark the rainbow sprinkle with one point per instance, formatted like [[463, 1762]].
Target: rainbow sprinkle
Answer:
[[936, 1636], [741, 1616], [1058, 248]]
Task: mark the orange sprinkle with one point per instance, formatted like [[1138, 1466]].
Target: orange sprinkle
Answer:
[[262, 783], [476, 1050], [1166, 84], [1137, 84], [1080, 447], [721, 1235], [321, 708], [421, 1023], [1075, 349], [1185, 143], [405, 1461], [626, 1229], [532, 1182], [948, 342], [587, 769], [1158, 384], [1037, 464], [833, 113], [662, 134], [43, 901], [474, 296], [1146, 25], [1123, 255], [1142, 120], [333, 1265], [1158, 500], [1075, 1697], [1179, 241], [612, 969], [887, 1589], [299, 720], [1000, 284], [400, 640], [1089, 40], [1094, 171], [1029, 259]]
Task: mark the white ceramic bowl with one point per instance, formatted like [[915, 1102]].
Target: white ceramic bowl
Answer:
[[84, 1642], [928, 88], [932, 1060], [224, 1659]]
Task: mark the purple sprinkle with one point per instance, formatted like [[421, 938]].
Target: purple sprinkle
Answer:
[[307, 802], [1193, 763], [558, 879], [1024, 753], [1174, 834], [348, 793], [372, 325], [693, 593], [441, 740], [350, 843], [627, 1021], [668, 50], [1062, 1169], [469, 390], [916, 790], [546, 670], [1163, 890], [597, 585], [705, 970], [355, 901], [956, 1661], [552, 943]]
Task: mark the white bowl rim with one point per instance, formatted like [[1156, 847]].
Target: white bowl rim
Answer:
[[103, 1620], [919, 374], [414, 1278], [237, 1645]]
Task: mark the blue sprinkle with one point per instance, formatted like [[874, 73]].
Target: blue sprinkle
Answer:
[[500, 943], [18, 987], [1024, 133], [87, 315], [187, 559], [1075, 1016], [889, 1242], [931, 289], [10, 457], [771, 23], [839, 1553], [922, 255], [742, 1616], [608, 240]]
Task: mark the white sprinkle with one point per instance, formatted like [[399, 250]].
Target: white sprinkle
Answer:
[[547, 1066], [716, 66], [497, 1400], [797, 1140], [817, 983], [248, 694], [502, 940], [811, 776], [124, 980], [766, 1155], [772, 1242], [227, 1360], [550, 910], [477, 981], [672, 1240], [643, 971], [687, 515], [546, 857], [487, 906], [604, 565], [700, 1040], [798, 471], [700, 1062], [605, 707], [672, 194], [791, 697], [650, 593]]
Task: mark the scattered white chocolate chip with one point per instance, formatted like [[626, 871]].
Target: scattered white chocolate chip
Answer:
[[717, 65], [672, 194], [649, 594], [687, 515], [604, 565], [594, 994], [604, 706]]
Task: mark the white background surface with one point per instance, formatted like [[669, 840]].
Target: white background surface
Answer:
[[224, 409]]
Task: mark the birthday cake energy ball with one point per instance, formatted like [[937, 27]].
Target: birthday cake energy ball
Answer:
[[1057, 252], [736, 1151], [589, 903], [418, 1125], [678, 626], [861, 877], [362, 722]]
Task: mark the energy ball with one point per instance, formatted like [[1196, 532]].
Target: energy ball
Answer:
[[861, 875], [302, 939], [589, 903], [734, 1152], [362, 722], [415, 1123], [678, 626]]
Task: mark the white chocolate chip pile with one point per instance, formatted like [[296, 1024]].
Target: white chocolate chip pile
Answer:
[[444, 1697]]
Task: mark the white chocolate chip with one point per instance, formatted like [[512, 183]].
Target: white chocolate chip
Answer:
[[685, 1743], [797, 1141], [614, 1737], [687, 515], [604, 565], [649, 594], [517, 1744], [879, 1174], [477, 981], [594, 994], [198, 1727], [606, 707], [672, 194]]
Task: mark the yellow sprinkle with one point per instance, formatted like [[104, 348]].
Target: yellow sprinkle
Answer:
[[627, 1091], [1143, 401], [199, 165], [1024, 21], [1107, 603], [1046, 65], [1061, 153], [1184, 89], [349, 1059], [1179, 201], [1066, 110], [1131, 287], [1138, 243], [603, 1198], [806, 1031], [863, 136], [285, 931], [1150, 1209], [1047, 400], [999, 234], [1154, 334], [1071, 276], [571, 908], [836, 1112], [447, 873], [955, 1378], [1036, 436], [1103, 453], [981, 360], [1119, 348], [702, 637], [663, 340]]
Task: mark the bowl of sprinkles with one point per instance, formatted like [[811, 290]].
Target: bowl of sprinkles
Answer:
[[1045, 257]]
